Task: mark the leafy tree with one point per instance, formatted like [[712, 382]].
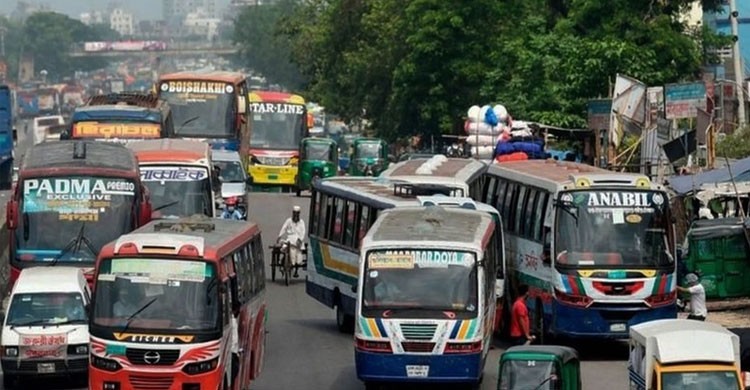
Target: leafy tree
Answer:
[[735, 145]]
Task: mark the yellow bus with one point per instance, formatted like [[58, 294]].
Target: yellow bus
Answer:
[[278, 122]]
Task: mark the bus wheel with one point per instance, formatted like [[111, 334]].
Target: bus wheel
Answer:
[[344, 322], [372, 386], [6, 175], [9, 381], [539, 321]]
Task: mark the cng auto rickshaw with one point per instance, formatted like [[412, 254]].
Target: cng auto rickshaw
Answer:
[[318, 158], [540, 367], [369, 157]]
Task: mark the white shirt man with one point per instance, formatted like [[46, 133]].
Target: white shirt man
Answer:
[[293, 231], [698, 310]]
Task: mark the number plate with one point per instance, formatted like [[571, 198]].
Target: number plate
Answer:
[[273, 177], [618, 327], [45, 368], [417, 371]]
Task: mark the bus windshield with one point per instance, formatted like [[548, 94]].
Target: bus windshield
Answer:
[[204, 115], [612, 228], [178, 191], [419, 284], [703, 380], [157, 294], [277, 130], [70, 218], [46, 309], [230, 171]]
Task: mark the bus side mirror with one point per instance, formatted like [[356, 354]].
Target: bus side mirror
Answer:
[[11, 214], [144, 216], [241, 105]]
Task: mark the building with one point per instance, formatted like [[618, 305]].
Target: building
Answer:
[[93, 17], [122, 22], [175, 11], [720, 22], [200, 22]]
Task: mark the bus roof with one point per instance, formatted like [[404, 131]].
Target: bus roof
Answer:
[[49, 279], [666, 338], [90, 154], [431, 224], [112, 111], [207, 75], [271, 96], [385, 193], [170, 149], [131, 99], [463, 169], [554, 175], [196, 236]]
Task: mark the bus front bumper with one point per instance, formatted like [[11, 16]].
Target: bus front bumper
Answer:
[[167, 378], [77, 365], [604, 322], [265, 174], [381, 367]]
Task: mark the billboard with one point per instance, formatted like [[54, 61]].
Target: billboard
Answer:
[[684, 100], [599, 111]]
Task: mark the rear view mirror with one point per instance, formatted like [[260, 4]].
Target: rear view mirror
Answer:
[[11, 214], [241, 105]]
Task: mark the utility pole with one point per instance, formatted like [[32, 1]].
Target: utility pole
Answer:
[[738, 71]]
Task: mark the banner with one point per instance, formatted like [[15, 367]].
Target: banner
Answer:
[[277, 108], [199, 87], [51, 346], [76, 198], [423, 258], [116, 130], [684, 100]]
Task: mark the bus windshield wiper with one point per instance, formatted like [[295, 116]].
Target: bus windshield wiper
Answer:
[[132, 316], [187, 122], [75, 245], [164, 206], [35, 322]]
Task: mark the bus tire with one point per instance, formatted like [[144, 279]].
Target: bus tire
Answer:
[[344, 321], [9, 381], [6, 175], [372, 386]]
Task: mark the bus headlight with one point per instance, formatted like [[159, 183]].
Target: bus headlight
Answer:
[[11, 351], [201, 367], [105, 364], [661, 299], [573, 300]]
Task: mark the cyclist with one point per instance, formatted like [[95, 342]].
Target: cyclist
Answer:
[[292, 233], [230, 209]]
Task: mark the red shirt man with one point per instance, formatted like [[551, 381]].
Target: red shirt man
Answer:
[[519, 318]]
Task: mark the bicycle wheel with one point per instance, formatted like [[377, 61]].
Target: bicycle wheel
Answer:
[[287, 267], [274, 261]]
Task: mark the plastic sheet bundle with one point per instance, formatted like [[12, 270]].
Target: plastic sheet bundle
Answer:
[[484, 127]]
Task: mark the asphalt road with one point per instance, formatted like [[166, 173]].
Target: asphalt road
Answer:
[[305, 350]]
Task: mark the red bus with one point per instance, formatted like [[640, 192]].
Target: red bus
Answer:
[[71, 198], [179, 304]]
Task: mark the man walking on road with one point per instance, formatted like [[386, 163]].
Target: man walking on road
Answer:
[[519, 318], [697, 293]]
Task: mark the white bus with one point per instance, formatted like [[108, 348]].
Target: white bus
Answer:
[[460, 177], [426, 296], [342, 210], [595, 247]]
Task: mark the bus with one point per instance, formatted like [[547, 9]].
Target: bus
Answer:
[[464, 176], [596, 248], [169, 300], [426, 296], [208, 106], [121, 117], [179, 175], [278, 123], [71, 198], [342, 210]]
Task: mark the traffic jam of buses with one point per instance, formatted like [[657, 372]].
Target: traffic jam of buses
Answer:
[[136, 260]]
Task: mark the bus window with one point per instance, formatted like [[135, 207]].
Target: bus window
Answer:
[[362, 224], [527, 226], [517, 218], [338, 230], [538, 216], [349, 228], [314, 212]]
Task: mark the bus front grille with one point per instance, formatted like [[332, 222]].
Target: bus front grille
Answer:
[[418, 347], [418, 331], [151, 382]]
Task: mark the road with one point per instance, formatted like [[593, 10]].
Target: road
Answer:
[[305, 350]]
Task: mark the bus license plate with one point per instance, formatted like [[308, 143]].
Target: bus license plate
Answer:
[[618, 327], [273, 177], [417, 371], [45, 368]]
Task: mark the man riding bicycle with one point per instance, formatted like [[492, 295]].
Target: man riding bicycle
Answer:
[[230, 209], [292, 234]]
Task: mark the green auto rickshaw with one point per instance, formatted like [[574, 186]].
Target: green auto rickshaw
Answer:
[[319, 157], [369, 157], [540, 367]]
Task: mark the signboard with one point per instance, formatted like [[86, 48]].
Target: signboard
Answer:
[[160, 271], [199, 87], [49, 346], [116, 130], [598, 113], [76, 198], [173, 173], [684, 100], [423, 258], [655, 103]]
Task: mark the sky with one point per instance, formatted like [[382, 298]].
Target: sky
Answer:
[[142, 9]]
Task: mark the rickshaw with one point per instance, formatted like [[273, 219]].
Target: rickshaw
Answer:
[[280, 259], [318, 158], [541, 367], [369, 157]]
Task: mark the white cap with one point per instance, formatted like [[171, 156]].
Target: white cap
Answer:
[[296, 209]]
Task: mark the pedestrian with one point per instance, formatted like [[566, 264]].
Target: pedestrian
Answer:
[[519, 318], [697, 293]]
